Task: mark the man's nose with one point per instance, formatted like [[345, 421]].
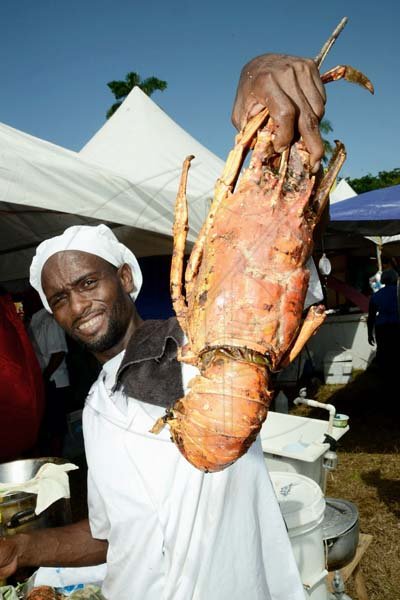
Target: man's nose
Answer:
[[78, 303]]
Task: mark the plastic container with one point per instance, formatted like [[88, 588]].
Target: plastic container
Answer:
[[303, 506], [340, 420]]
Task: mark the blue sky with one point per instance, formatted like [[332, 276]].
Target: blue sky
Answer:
[[57, 57]]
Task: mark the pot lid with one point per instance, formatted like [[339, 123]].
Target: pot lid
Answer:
[[300, 500], [340, 516]]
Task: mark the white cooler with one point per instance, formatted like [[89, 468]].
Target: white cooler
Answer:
[[302, 505]]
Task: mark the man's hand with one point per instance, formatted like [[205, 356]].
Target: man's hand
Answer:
[[8, 557], [68, 546], [291, 88], [371, 340]]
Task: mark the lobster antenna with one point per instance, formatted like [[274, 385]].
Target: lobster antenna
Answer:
[[319, 59]]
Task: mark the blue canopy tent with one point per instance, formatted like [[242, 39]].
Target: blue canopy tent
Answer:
[[375, 213]]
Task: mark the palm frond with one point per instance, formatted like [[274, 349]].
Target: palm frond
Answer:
[[132, 80], [113, 109], [325, 126], [120, 89], [152, 84]]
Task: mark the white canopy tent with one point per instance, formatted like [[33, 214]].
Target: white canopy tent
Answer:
[[341, 191], [127, 174]]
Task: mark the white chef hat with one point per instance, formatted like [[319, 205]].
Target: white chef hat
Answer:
[[98, 240]]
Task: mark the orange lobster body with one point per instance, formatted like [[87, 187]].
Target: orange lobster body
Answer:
[[245, 282], [251, 283]]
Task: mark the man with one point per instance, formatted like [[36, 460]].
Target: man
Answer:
[[384, 321], [165, 529]]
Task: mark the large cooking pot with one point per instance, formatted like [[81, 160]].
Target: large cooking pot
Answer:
[[17, 509], [340, 531]]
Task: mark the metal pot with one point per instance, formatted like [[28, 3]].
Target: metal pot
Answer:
[[17, 509], [340, 529]]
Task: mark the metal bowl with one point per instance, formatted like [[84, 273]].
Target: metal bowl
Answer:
[[17, 509], [340, 532]]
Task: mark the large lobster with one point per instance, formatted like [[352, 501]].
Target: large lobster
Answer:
[[245, 285]]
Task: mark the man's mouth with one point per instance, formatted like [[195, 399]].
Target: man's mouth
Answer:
[[92, 325]]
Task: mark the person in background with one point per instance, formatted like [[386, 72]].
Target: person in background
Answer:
[[390, 262], [51, 348], [384, 322], [21, 387]]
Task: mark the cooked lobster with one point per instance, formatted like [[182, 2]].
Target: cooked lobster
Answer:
[[44, 592], [245, 287]]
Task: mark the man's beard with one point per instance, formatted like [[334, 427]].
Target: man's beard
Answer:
[[115, 332], [117, 326]]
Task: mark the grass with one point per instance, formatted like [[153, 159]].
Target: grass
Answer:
[[369, 470]]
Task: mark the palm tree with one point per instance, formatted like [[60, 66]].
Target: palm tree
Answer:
[[121, 89], [325, 127]]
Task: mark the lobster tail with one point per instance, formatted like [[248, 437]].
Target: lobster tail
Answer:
[[220, 417]]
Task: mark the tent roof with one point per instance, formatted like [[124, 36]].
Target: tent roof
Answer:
[[127, 174], [341, 192], [143, 144], [372, 213]]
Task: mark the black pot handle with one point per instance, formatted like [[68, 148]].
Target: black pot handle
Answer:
[[21, 518]]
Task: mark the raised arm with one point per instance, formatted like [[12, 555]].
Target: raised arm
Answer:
[[69, 546], [291, 88]]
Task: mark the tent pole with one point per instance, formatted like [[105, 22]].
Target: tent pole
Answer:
[[379, 254]]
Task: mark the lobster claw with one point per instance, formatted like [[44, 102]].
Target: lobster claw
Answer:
[[349, 74]]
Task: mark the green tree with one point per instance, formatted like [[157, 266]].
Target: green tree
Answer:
[[325, 127], [375, 182], [121, 88]]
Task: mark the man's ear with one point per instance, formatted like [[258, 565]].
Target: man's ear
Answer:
[[126, 278]]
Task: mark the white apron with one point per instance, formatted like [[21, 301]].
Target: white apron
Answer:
[[174, 532]]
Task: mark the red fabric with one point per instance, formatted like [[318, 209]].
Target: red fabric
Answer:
[[21, 385]]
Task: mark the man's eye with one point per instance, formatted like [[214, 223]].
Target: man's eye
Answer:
[[89, 283], [57, 302]]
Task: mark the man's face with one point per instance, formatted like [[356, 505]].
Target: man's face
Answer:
[[89, 298]]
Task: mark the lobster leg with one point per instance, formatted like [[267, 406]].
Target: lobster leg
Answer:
[[315, 317], [180, 235], [224, 186], [321, 196]]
